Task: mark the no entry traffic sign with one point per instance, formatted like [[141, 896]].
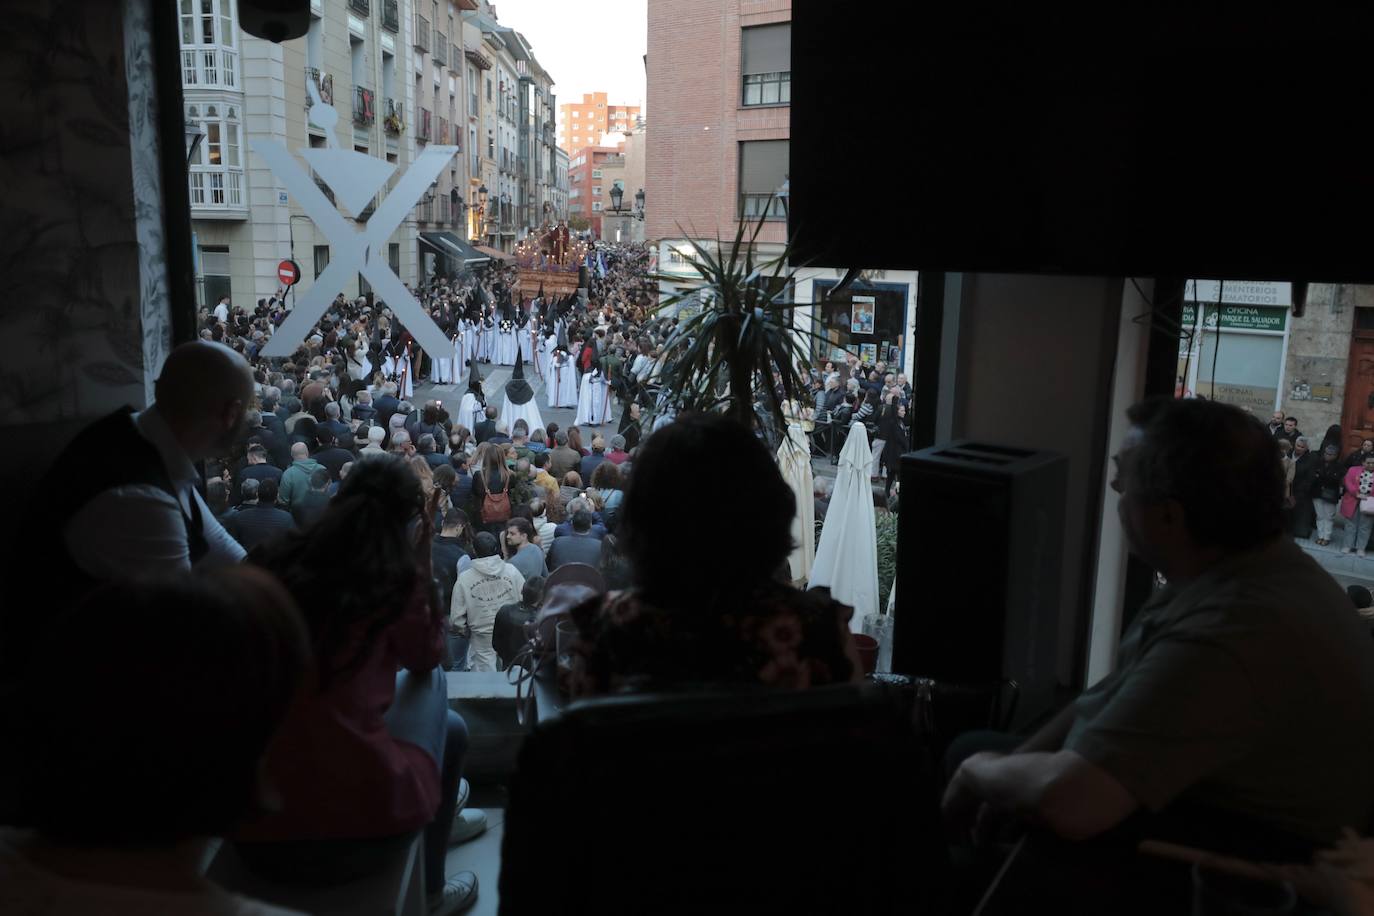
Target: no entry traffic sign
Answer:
[[289, 272]]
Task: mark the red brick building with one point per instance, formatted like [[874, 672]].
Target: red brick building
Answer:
[[717, 146]]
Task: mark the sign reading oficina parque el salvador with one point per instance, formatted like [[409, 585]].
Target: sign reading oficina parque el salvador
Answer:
[[1246, 305], [355, 178]]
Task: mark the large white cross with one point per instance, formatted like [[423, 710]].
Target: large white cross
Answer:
[[355, 252]]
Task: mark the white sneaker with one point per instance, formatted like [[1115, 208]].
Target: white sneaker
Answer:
[[466, 825], [459, 893], [464, 790]]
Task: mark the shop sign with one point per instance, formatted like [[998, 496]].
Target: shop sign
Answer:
[[1240, 292], [1254, 398], [1238, 317]]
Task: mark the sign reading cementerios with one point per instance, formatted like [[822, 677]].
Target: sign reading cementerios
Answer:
[[1240, 292]]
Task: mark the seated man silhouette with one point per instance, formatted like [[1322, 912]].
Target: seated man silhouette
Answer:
[[1241, 711]]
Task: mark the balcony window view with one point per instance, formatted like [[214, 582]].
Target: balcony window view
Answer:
[[508, 465]]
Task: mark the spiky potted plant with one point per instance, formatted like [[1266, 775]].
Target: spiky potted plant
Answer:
[[741, 345]]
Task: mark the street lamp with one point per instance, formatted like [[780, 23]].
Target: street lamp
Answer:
[[639, 204], [617, 195], [193, 137]]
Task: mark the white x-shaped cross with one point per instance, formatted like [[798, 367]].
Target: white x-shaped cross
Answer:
[[361, 252]]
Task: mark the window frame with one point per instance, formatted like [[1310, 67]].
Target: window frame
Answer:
[[209, 62], [208, 179]]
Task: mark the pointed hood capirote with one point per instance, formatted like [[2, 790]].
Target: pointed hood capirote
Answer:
[[518, 391], [475, 378]]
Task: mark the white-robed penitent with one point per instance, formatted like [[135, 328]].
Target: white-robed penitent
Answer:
[[847, 556], [794, 461], [397, 369], [506, 345], [561, 382], [471, 409], [526, 336], [446, 367], [546, 344], [519, 403], [469, 330], [486, 340], [594, 401]]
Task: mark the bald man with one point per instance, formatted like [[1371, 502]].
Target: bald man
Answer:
[[121, 500], [141, 513]]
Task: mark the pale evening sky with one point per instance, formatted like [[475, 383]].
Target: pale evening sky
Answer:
[[593, 46]]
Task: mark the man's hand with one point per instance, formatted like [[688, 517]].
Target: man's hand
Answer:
[[962, 805]]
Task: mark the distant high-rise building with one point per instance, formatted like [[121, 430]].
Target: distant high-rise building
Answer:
[[582, 124]]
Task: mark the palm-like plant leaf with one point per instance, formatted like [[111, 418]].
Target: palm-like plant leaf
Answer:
[[741, 337], [744, 332]]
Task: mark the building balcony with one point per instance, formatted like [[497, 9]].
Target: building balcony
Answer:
[[209, 68], [363, 7], [480, 60], [323, 83], [442, 136], [394, 120], [424, 127], [421, 33], [391, 15], [440, 48], [364, 107], [218, 194], [455, 59]]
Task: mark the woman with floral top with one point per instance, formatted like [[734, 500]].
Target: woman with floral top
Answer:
[[1359, 484], [731, 622]]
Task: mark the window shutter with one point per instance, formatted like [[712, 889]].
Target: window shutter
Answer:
[[763, 166], [766, 48]]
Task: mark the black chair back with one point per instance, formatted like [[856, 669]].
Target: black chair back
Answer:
[[817, 801]]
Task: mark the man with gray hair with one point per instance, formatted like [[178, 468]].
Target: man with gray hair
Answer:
[[617, 455], [401, 444], [334, 424], [375, 437], [424, 447]]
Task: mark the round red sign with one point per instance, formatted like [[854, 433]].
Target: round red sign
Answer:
[[289, 272]]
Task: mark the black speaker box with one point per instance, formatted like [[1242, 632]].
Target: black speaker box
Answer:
[[980, 553]]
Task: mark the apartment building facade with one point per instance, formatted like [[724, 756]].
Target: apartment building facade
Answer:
[[585, 123], [719, 87], [592, 172], [402, 75], [381, 64]]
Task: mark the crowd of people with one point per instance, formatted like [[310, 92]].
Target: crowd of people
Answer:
[[283, 619], [1324, 487], [398, 541]]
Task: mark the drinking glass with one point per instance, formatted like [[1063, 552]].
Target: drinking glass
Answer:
[[879, 626]]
